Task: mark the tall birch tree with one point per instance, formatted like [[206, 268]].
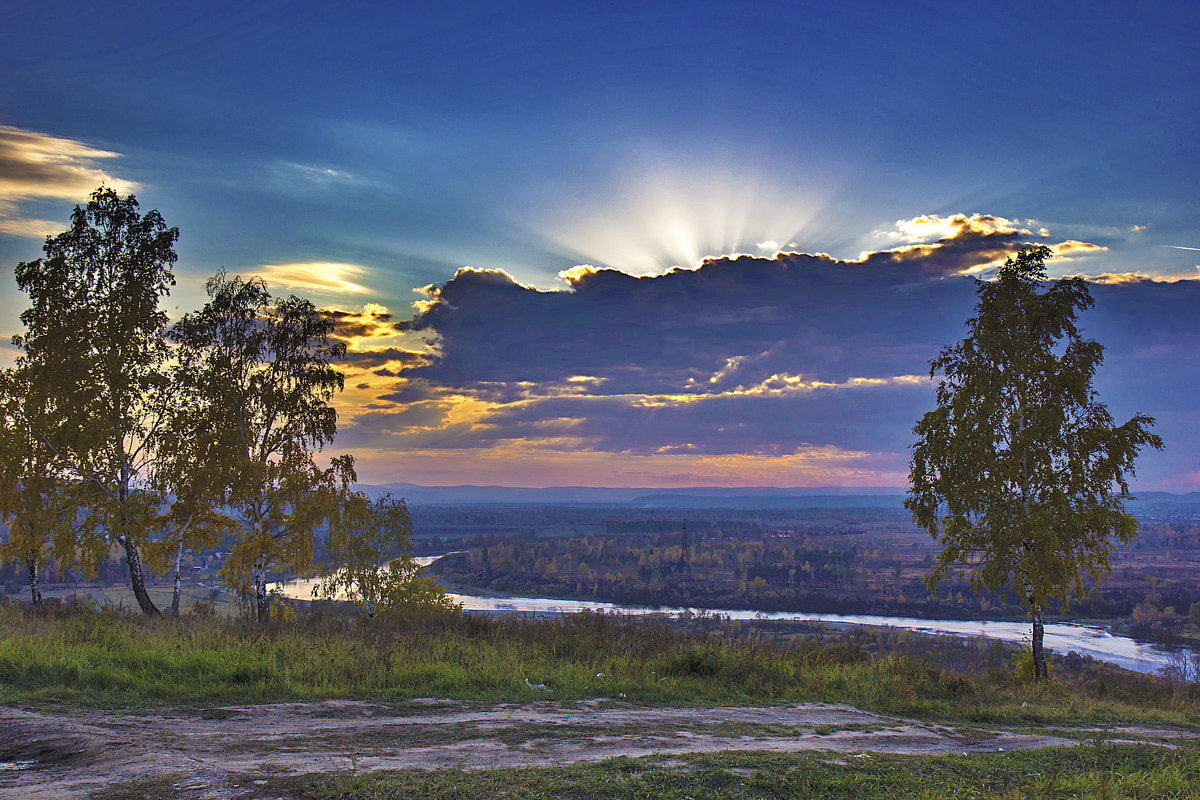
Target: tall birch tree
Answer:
[[1020, 471], [263, 366], [94, 348]]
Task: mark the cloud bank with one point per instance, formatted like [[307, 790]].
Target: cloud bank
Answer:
[[797, 369]]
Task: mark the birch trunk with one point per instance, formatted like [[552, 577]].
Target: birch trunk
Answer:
[[1040, 673], [35, 586], [133, 557], [175, 590], [262, 602], [137, 577]]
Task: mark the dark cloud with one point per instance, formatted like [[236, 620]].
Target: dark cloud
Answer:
[[745, 355], [371, 322], [367, 359], [810, 313]]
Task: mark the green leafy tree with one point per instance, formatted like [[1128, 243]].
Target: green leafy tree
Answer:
[[263, 368], [94, 351], [369, 561], [37, 503], [1020, 470]]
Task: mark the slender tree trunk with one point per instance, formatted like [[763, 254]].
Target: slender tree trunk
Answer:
[[137, 577], [175, 591], [35, 586], [133, 557], [1040, 673], [1039, 651], [262, 603]]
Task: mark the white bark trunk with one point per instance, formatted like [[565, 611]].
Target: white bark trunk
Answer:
[[35, 585], [175, 590]]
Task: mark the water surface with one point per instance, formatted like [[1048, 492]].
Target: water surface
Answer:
[[1094, 641]]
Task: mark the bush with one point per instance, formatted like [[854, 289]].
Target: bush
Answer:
[[1024, 669]]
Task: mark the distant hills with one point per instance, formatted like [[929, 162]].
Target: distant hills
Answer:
[[1150, 504], [696, 496]]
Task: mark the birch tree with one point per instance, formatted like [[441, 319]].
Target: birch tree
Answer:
[[94, 347], [263, 368], [1020, 471]]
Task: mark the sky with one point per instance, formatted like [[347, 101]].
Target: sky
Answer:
[[638, 244]]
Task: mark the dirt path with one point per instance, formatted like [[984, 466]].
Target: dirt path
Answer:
[[210, 753]]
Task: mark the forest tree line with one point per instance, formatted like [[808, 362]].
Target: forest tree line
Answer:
[[808, 570]]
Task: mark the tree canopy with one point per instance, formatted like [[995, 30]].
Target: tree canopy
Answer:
[[369, 561], [263, 368], [1021, 471], [95, 357]]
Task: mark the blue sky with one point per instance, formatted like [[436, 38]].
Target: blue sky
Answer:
[[356, 152]]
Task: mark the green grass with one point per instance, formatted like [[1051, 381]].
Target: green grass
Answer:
[[74, 656], [1107, 773]]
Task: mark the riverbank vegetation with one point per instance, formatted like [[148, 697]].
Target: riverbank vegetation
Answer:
[[81, 657], [850, 562]]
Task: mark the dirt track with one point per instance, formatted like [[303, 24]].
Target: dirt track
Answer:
[[210, 752]]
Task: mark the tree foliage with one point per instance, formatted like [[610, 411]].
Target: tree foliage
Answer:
[[1020, 470], [369, 562], [37, 503], [94, 356], [263, 368], [188, 479]]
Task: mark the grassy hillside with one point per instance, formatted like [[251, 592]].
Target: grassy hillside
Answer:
[[110, 659]]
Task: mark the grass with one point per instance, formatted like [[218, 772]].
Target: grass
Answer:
[[106, 659], [1106, 773]]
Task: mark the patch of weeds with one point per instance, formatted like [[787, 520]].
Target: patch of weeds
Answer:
[[175, 786], [849, 727], [1090, 735]]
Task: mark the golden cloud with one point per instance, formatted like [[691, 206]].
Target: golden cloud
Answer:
[[782, 383], [934, 226], [1072, 248], [989, 240], [1112, 278], [33, 228], [321, 276], [575, 274], [41, 166]]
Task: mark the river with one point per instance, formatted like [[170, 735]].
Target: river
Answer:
[[1061, 637]]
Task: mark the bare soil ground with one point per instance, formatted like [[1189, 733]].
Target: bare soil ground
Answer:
[[216, 752]]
